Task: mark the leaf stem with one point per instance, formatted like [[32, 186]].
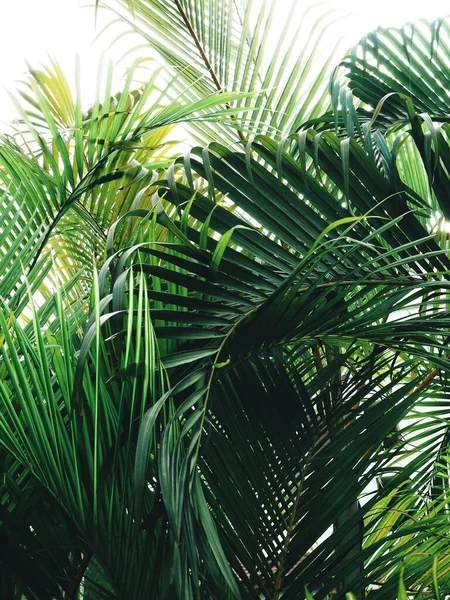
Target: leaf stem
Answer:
[[205, 59]]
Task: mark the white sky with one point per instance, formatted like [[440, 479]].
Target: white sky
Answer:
[[29, 29]]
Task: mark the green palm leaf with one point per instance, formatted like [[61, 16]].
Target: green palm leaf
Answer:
[[225, 46], [224, 375]]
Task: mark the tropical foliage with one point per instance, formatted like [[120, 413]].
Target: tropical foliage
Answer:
[[224, 371]]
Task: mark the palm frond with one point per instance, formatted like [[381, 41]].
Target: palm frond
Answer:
[[212, 46]]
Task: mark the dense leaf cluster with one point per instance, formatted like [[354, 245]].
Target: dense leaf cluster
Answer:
[[224, 373]]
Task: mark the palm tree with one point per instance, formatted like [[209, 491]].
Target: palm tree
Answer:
[[224, 373]]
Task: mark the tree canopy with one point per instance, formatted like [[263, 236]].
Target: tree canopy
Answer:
[[223, 370]]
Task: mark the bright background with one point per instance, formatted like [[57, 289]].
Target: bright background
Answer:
[[33, 29]]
